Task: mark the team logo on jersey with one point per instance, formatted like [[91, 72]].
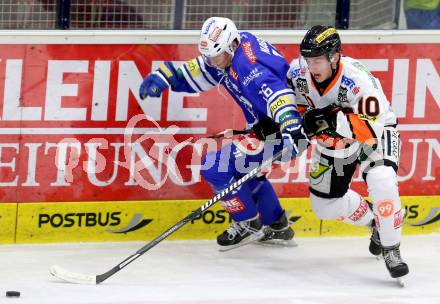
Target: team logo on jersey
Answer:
[[302, 85], [255, 73], [215, 34], [249, 52], [342, 95], [348, 82], [294, 73], [233, 73]]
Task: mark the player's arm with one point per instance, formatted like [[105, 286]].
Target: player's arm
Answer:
[[362, 121], [366, 121], [301, 104], [193, 76], [272, 96]]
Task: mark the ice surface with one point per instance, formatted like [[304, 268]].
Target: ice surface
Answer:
[[319, 270]]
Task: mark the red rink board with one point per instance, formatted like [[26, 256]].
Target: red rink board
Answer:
[[54, 96]]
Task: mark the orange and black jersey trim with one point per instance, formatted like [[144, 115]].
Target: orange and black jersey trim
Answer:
[[361, 129]]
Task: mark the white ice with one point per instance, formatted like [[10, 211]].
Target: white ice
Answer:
[[319, 270]]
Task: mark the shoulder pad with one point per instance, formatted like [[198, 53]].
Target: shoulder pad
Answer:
[[357, 72], [294, 70]]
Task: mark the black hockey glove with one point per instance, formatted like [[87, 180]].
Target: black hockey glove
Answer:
[[266, 127], [317, 121]]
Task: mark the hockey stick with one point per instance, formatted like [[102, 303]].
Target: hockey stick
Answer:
[[224, 134], [78, 278], [229, 133]]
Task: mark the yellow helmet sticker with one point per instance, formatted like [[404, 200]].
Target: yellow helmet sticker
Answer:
[[328, 32]]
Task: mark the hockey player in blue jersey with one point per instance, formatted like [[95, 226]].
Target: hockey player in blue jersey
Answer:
[[254, 73]]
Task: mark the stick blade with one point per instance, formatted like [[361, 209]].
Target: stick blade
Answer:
[[72, 277]]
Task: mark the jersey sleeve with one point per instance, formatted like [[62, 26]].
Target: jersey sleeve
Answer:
[[369, 107], [267, 92], [196, 76], [292, 80]]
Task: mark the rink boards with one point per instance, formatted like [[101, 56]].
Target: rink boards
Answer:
[[145, 220], [73, 129]]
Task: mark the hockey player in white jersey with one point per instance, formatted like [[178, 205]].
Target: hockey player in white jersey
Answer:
[[346, 111]]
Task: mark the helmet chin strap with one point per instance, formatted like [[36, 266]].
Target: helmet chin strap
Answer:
[[331, 59], [232, 48], [231, 51], [335, 69]]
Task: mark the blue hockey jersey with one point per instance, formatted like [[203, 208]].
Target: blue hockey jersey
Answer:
[[256, 79]]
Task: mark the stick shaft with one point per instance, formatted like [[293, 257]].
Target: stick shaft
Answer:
[[195, 214], [233, 132]]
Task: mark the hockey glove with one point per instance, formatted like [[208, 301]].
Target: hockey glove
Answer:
[[317, 121], [158, 81], [292, 132], [265, 128]]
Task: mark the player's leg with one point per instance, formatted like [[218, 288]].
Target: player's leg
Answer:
[[277, 226], [219, 170], [383, 190], [379, 171], [330, 195], [256, 196], [351, 208], [267, 202], [274, 218]]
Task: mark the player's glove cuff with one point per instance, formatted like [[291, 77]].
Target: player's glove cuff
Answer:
[[296, 139]]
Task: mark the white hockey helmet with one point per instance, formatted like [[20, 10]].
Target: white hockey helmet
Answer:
[[216, 37]]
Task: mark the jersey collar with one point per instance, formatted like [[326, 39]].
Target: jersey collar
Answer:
[[335, 79]]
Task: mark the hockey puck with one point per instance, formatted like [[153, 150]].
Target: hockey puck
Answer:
[[12, 294]]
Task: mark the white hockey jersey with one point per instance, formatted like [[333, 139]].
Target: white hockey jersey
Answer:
[[353, 87]]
